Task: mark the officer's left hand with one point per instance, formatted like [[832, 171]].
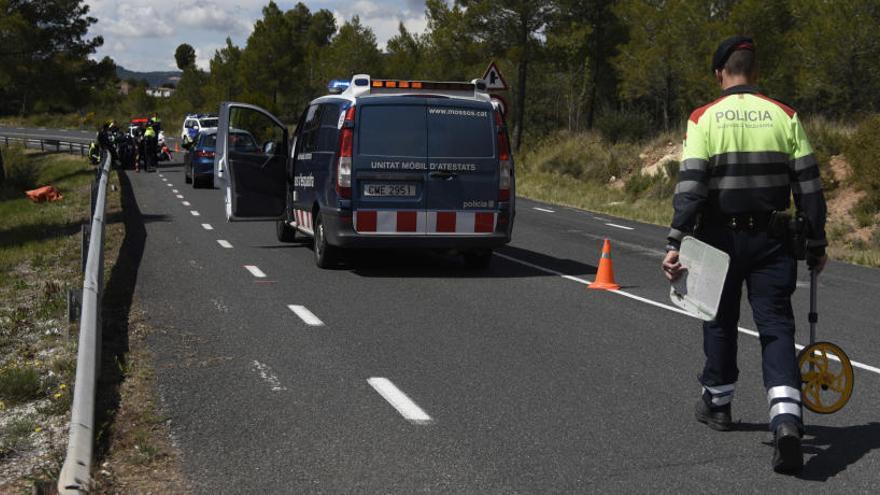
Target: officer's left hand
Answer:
[[671, 267]]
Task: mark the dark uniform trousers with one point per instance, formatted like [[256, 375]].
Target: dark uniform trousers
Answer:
[[770, 274]]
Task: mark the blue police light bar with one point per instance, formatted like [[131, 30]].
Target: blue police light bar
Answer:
[[337, 86]]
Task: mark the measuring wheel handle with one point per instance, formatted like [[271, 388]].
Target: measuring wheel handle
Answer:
[[825, 389]]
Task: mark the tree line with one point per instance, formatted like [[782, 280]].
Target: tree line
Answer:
[[629, 67]]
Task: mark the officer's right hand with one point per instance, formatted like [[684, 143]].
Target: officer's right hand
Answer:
[[671, 267], [817, 263]]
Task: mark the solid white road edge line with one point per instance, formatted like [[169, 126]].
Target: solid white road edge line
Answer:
[[255, 271], [398, 400], [207, 226], [305, 315], [668, 307], [225, 244], [619, 226], [185, 203], [545, 210], [266, 374], [194, 213]]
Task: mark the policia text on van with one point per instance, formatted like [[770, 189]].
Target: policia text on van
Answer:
[[382, 163]]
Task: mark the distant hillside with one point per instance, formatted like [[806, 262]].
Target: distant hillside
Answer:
[[154, 79]]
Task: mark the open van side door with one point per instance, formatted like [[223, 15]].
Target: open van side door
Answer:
[[251, 162]]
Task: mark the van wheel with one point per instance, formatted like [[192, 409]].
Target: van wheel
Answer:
[[478, 260], [325, 254], [284, 232]]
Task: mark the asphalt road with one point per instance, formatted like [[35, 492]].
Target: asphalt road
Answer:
[[404, 372]]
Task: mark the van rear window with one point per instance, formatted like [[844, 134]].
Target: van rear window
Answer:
[[460, 132], [388, 130]]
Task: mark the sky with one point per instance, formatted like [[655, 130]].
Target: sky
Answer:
[[143, 35]]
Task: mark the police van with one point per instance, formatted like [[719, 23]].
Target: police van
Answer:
[[376, 164]]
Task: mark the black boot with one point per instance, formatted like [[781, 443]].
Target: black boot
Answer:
[[787, 455], [717, 418]]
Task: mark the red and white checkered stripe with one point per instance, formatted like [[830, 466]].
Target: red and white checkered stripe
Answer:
[[397, 222], [303, 220]]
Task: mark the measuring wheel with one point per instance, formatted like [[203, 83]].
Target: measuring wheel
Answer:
[[826, 373], [826, 377]]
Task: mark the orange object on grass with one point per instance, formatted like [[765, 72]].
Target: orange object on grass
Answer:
[[45, 193]]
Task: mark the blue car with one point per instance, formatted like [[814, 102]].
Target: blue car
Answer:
[[198, 162]]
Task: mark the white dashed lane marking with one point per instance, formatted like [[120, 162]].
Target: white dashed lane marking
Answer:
[[207, 226], [185, 203], [624, 227], [305, 315], [255, 271], [180, 196], [545, 210], [225, 244], [170, 184], [404, 405], [175, 191], [194, 213]]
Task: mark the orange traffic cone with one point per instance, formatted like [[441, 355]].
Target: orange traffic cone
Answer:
[[177, 147], [605, 276]]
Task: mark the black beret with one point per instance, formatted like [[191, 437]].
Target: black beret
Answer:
[[729, 46]]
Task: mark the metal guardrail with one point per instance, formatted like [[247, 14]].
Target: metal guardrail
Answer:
[[75, 474], [44, 144]]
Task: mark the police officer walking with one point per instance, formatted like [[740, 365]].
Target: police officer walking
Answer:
[[744, 155]]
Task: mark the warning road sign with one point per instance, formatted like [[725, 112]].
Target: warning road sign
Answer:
[[494, 79]]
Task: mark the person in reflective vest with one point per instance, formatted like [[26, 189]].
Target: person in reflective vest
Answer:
[[150, 149], [744, 156]]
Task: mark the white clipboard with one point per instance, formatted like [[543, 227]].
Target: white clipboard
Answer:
[[698, 290]]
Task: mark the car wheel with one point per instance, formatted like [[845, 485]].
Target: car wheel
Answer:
[[195, 181], [478, 259], [325, 254], [284, 232], [187, 177]]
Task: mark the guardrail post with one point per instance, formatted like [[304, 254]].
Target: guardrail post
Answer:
[[42, 145], [85, 233]]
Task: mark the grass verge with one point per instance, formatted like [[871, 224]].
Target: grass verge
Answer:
[[39, 262]]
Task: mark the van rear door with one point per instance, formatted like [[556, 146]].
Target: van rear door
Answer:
[[389, 167], [251, 161], [462, 185]]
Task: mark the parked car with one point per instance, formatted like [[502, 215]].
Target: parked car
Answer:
[[198, 162], [384, 163]]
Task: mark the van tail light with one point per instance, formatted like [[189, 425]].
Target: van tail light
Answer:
[[343, 161], [505, 165], [204, 154]]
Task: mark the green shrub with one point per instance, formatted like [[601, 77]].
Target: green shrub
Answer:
[[20, 384], [625, 125], [862, 149], [20, 173], [584, 156], [866, 210]]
